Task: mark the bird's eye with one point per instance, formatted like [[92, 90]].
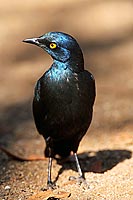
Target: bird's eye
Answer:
[[52, 45]]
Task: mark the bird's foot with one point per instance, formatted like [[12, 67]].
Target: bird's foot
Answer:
[[80, 180], [50, 186]]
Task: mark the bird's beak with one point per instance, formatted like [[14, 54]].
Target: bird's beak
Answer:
[[32, 41]]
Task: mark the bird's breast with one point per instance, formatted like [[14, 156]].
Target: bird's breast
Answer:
[[62, 83], [58, 74]]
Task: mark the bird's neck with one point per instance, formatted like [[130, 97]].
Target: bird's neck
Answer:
[[76, 61], [58, 71], [59, 65], [75, 64]]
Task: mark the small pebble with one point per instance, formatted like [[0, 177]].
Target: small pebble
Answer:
[[7, 187]]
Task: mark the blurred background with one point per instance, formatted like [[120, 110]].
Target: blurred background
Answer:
[[104, 30]]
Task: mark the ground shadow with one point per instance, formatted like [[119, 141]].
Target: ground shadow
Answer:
[[12, 118], [97, 162]]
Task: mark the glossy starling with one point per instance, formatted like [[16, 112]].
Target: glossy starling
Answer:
[[64, 98]]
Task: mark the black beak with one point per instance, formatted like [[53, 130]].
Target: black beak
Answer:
[[32, 41]]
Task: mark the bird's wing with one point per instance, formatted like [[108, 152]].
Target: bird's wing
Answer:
[[91, 89], [49, 103]]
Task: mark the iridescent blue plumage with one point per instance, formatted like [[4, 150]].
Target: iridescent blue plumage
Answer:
[[58, 71], [64, 97]]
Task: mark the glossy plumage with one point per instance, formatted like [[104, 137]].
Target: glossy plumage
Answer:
[[64, 95]]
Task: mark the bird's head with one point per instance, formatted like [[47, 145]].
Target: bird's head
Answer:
[[60, 46]]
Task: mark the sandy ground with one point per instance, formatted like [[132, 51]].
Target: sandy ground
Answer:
[[104, 31]]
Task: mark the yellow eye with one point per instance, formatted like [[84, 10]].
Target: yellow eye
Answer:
[[52, 45]]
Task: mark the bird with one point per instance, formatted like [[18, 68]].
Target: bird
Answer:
[[63, 99]]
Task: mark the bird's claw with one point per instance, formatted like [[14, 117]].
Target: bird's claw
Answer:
[[80, 180], [50, 186]]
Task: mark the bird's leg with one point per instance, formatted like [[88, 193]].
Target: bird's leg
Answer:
[[78, 166], [81, 177], [49, 182], [49, 153]]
